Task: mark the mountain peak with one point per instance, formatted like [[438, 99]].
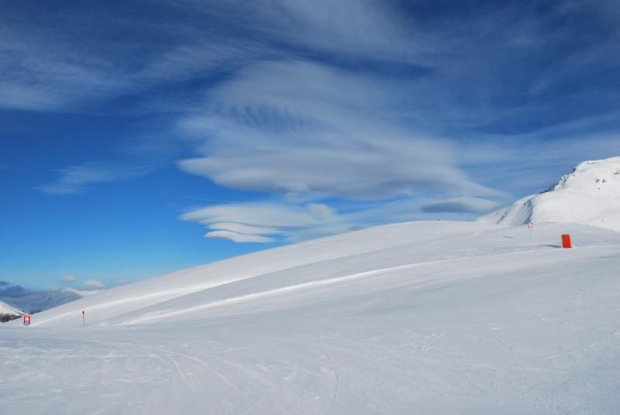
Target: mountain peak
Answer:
[[589, 195], [593, 176]]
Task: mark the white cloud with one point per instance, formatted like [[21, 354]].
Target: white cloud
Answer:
[[68, 279], [94, 284], [300, 127], [243, 229], [283, 221], [238, 237], [308, 132], [262, 222], [372, 28], [253, 215]]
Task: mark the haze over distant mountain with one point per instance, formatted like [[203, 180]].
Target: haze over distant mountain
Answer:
[[32, 301], [589, 195]]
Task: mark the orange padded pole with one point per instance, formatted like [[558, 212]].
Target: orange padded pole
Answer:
[[566, 241]]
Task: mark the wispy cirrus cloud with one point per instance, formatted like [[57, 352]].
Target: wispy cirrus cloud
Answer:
[[45, 71], [65, 58], [374, 110], [76, 179]]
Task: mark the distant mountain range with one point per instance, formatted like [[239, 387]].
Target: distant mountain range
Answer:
[[32, 301]]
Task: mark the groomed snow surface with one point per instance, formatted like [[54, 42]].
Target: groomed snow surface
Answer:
[[415, 318]]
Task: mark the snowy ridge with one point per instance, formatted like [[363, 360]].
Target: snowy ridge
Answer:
[[589, 195], [7, 309]]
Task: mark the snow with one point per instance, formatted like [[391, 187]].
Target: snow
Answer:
[[425, 318], [7, 309], [589, 195], [81, 293]]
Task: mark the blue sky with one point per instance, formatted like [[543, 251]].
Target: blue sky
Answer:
[[130, 130]]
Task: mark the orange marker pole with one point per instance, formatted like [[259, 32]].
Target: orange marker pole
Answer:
[[566, 241]]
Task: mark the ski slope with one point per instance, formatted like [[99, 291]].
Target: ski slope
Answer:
[[413, 318]]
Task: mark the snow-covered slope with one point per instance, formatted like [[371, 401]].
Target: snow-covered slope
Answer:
[[589, 195], [6, 309], [424, 318]]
